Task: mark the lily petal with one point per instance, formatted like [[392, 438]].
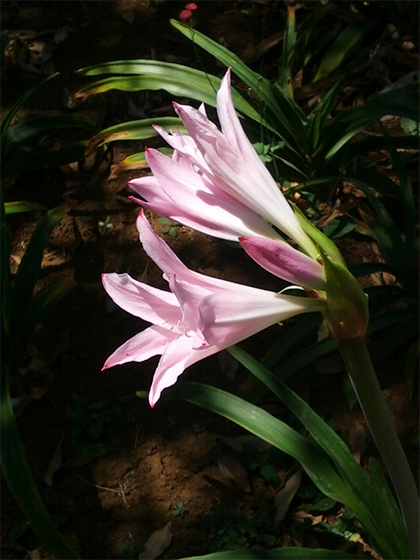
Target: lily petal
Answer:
[[227, 321], [174, 361], [142, 346], [142, 300], [179, 192], [284, 261]]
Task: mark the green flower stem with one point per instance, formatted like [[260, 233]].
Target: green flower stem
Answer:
[[365, 383], [20, 482]]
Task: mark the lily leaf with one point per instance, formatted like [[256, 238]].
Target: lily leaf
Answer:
[[27, 276], [17, 474], [22, 160], [135, 161], [286, 115], [357, 479], [284, 553], [138, 130], [20, 206], [308, 452], [342, 47], [17, 105], [29, 126], [182, 81]]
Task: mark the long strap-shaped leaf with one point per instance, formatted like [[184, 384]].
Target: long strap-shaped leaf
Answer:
[[16, 471], [138, 130], [287, 117], [22, 160], [30, 126], [27, 276], [6, 283], [177, 79], [339, 453], [401, 102], [16, 106], [285, 553], [308, 452]]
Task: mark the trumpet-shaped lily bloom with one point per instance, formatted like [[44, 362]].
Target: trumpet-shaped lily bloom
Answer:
[[229, 160], [197, 318], [184, 194]]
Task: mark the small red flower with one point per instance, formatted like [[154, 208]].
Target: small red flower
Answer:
[[191, 6], [185, 14]]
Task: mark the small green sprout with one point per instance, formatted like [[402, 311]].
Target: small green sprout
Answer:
[[168, 228], [105, 224], [179, 509]]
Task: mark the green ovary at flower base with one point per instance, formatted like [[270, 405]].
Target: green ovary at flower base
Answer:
[[216, 184]]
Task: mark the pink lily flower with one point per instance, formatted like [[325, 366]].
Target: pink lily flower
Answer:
[[229, 160], [199, 317], [177, 190]]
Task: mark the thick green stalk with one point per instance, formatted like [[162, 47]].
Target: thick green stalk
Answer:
[[20, 482], [365, 383]]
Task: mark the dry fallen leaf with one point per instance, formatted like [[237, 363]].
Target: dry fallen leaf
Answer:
[[157, 543], [81, 460], [357, 440], [228, 364], [237, 443], [55, 463], [233, 470], [286, 495], [35, 554]]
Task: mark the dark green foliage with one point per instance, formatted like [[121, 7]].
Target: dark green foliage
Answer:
[[95, 419], [228, 529]]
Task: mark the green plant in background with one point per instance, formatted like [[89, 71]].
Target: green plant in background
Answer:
[[405, 16], [96, 419], [313, 149], [324, 456], [228, 529], [179, 509], [168, 227], [105, 225], [131, 551], [24, 144], [261, 462], [21, 312], [326, 459], [316, 150]]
